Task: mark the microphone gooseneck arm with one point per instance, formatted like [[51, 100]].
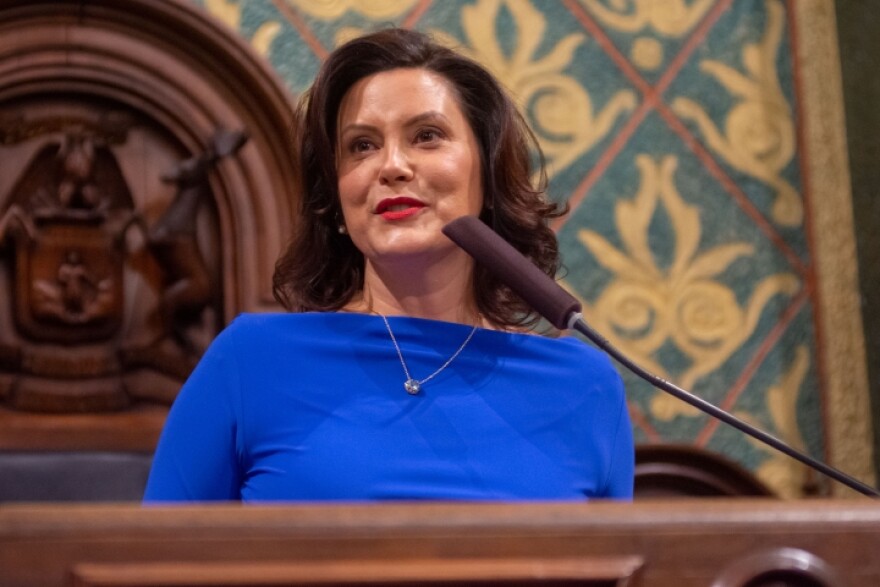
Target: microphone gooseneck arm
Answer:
[[563, 311], [576, 322]]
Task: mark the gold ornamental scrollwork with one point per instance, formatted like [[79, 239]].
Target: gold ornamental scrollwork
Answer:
[[646, 306], [665, 18], [670, 18], [560, 109], [372, 9], [787, 477], [229, 12], [758, 138]]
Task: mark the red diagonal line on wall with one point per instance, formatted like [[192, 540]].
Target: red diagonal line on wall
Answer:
[[651, 95], [754, 363], [812, 277], [741, 199], [709, 161], [304, 31], [592, 27], [416, 14], [602, 165], [638, 418]]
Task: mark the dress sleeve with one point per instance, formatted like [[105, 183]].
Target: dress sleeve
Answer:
[[622, 459], [197, 458]]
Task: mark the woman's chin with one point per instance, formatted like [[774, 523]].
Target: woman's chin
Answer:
[[407, 250]]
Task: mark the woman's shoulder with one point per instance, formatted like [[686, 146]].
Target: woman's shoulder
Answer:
[[264, 323], [248, 320], [251, 320], [572, 355], [263, 335], [563, 344]]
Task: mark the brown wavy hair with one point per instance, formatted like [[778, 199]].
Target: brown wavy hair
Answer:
[[516, 209]]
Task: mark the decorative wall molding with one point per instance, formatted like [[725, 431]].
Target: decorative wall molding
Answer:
[[849, 427]]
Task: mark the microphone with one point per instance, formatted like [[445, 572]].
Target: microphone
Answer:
[[562, 310]]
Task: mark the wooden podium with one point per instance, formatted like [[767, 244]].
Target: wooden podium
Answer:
[[681, 543]]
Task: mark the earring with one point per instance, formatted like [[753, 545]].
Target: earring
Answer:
[[341, 229]]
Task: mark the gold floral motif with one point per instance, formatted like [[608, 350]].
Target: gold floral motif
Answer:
[[786, 476], [759, 132], [263, 37], [229, 12], [670, 18], [645, 306], [562, 113], [372, 9], [647, 53], [346, 34]]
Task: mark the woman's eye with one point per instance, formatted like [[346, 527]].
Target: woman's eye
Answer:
[[427, 135], [360, 146]]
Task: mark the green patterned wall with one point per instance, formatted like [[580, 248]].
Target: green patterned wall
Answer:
[[673, 129]]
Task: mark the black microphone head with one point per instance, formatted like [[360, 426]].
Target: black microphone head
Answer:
[[513, 269]]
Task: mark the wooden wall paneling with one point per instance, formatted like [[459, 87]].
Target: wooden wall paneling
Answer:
[[691, 543]]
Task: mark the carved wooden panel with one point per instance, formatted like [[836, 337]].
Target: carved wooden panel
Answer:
[[102, 259], [145, 191]]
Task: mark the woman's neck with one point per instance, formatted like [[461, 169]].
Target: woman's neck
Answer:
[[438, 291]]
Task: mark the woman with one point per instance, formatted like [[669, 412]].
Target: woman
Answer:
[[405, 371]]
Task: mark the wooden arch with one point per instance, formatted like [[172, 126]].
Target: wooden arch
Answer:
[[152, 93], [171, 62]]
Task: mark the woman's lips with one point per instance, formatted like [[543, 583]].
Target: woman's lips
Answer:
[[400, 214], [398, 208]]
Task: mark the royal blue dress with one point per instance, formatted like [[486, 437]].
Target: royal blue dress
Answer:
[[311, 407]]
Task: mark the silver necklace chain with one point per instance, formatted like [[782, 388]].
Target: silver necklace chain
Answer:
[[414, 386]]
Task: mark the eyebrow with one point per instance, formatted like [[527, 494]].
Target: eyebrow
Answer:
[[418, 118]]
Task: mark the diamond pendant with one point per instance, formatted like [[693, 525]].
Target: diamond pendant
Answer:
[[412, 386]]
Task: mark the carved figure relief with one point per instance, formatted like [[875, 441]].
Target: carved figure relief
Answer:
[[186, 287], [67, 232], [66, 223], [76, 296], [172, 239]]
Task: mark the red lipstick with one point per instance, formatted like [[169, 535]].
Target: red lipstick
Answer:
[[398, 208]]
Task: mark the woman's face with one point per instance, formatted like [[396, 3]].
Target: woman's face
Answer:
[[407, 163]]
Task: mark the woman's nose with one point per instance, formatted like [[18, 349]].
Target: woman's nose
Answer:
[[395, 165]]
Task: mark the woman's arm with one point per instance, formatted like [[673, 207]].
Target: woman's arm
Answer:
[[622, 459], [198, 456]]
